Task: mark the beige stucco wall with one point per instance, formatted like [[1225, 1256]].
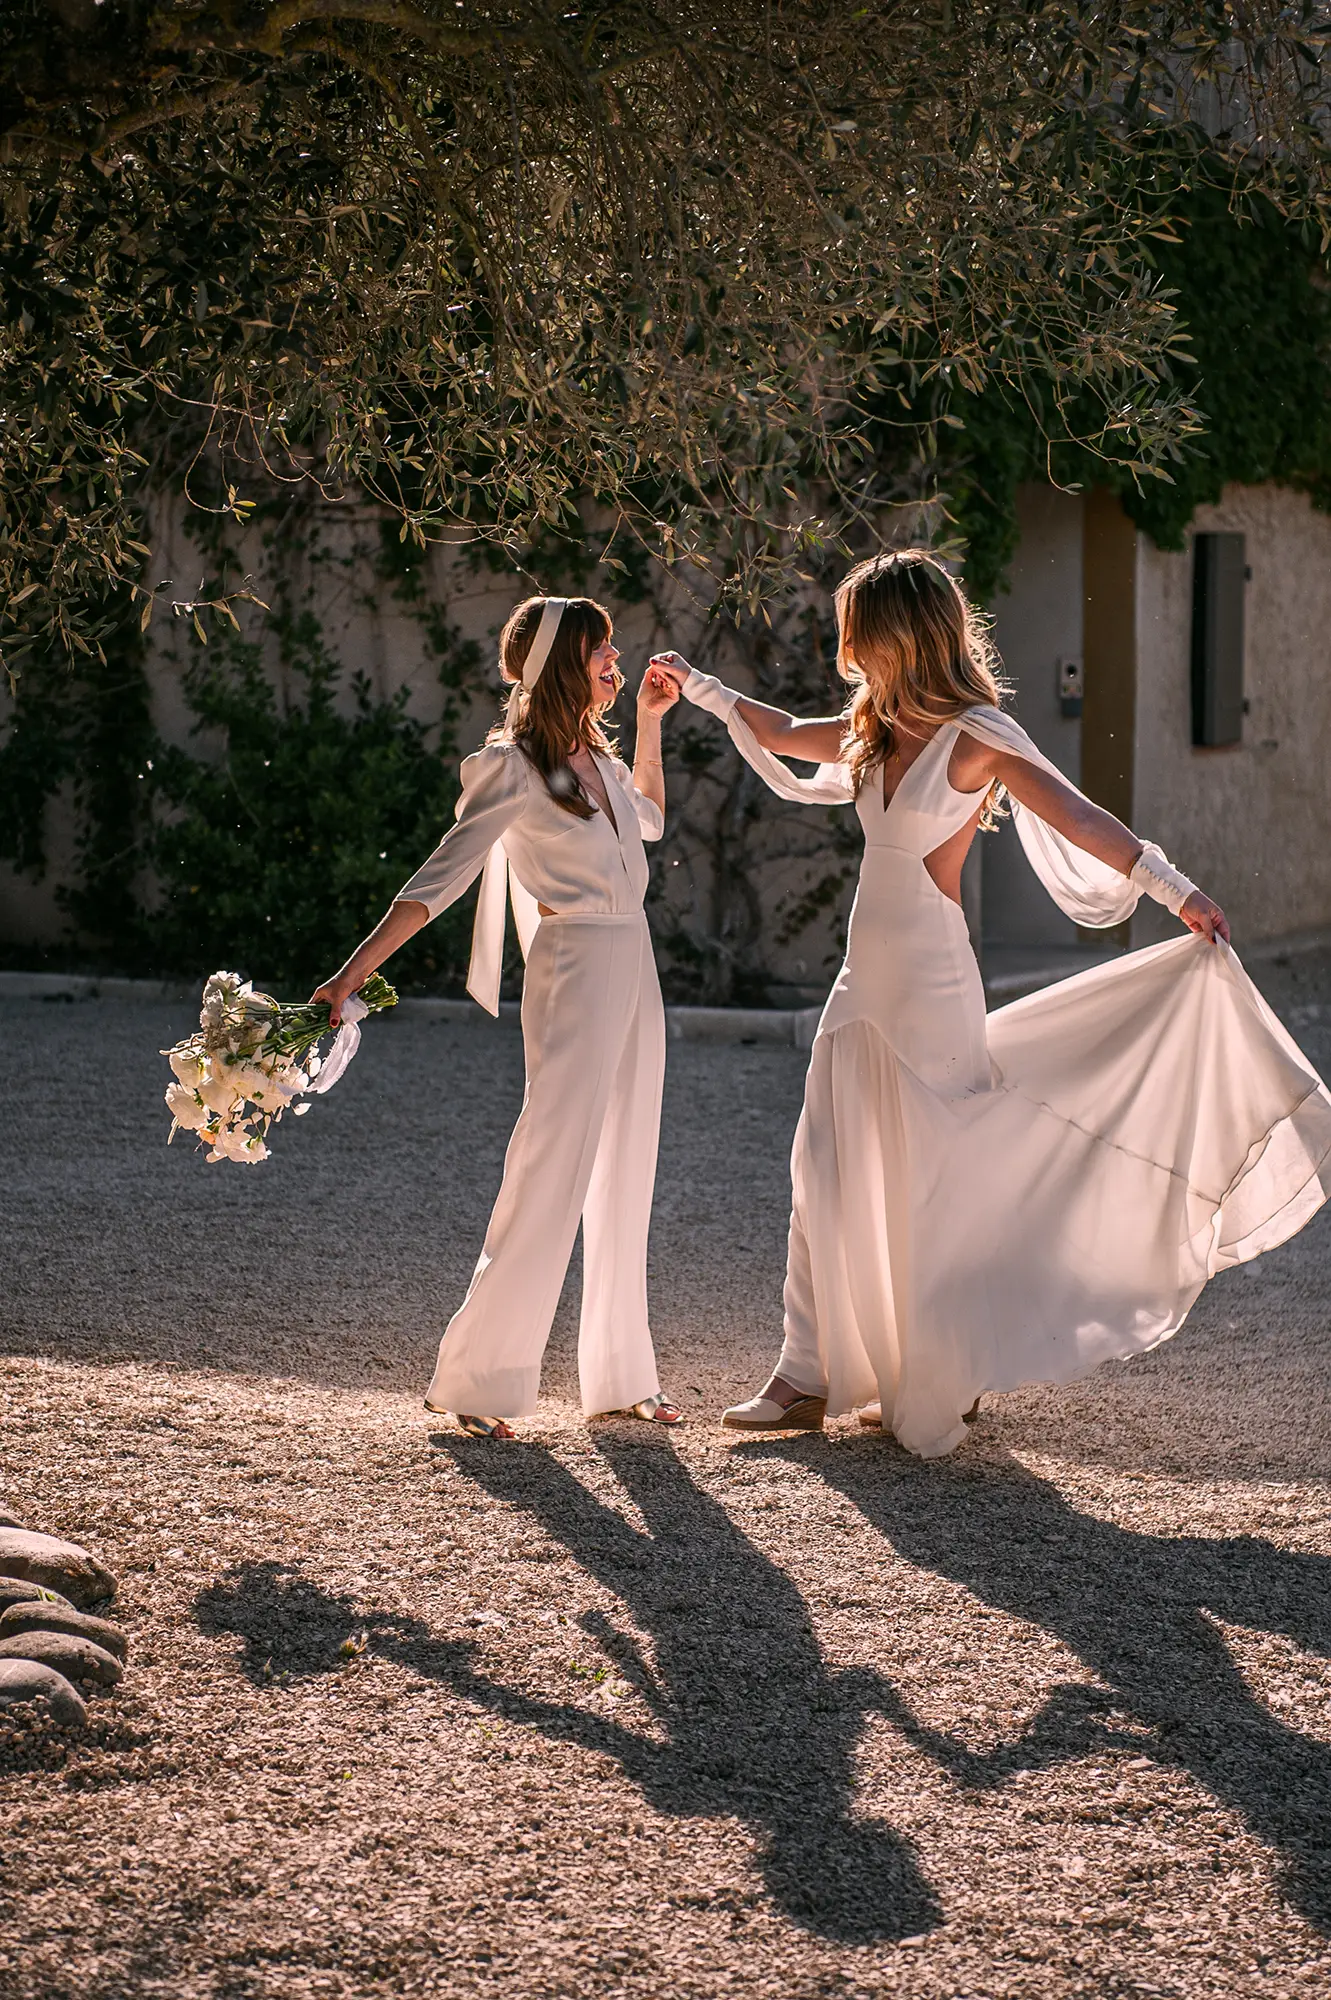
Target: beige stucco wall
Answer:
[[1037, 622], [1252, 823]]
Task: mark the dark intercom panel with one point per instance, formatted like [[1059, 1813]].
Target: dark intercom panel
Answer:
[[1071, 687], [1219, 571]]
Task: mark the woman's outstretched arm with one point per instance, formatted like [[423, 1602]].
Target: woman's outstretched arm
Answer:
[[403, 921], [816, 740], [494, 792], [1070, 813]]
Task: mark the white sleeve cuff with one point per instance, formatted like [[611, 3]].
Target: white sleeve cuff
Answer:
[[1155, 877], [705, 691]]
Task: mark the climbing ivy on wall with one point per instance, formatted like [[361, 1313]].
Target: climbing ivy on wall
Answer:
[[85, 731], [1256, 298], [270, 839]]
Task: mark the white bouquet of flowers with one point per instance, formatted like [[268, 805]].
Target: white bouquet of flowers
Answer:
[[253, 1057]]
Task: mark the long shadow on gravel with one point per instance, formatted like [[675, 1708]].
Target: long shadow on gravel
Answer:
[[755, 1726], [1139, 1610]]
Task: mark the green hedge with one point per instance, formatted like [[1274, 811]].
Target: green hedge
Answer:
[[278, 854], [270, 844]]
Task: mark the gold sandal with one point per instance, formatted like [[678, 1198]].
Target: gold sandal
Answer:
[[656, 1410], [485, 1427], [475, 1427]]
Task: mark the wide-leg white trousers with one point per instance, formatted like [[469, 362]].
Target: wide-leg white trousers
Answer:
[[584, 1147]]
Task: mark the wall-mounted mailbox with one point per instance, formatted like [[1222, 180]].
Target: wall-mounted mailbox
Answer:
[[1071, 687], [1219, 572]]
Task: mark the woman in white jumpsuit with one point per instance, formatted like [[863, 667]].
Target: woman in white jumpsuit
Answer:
[[982, 1202], [549, 811]]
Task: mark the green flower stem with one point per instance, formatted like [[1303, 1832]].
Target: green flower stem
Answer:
[[297, 1029]]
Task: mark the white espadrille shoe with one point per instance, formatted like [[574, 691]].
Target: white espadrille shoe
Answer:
[[764, 1413]]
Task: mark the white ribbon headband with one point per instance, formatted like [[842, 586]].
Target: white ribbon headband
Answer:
[[539, 651]]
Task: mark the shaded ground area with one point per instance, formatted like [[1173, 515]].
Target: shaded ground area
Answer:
[[610, 1712]]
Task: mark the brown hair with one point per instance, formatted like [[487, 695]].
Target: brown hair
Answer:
[[561, 712], [916, 653]]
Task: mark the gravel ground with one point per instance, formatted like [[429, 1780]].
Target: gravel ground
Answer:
[[608, 1711]]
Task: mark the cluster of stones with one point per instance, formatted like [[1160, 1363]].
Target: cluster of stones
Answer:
[[53, 1649]]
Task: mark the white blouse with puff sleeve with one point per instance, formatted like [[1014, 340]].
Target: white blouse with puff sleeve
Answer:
[[511, 832]]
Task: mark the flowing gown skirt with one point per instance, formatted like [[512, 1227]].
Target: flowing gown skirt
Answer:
[[979, 1205]]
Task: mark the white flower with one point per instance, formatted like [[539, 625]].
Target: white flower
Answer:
[[188, 1066], [233, 1142], [271, 1084], [220, 996], [231, 1086], [291, 1081], [185, 1108], [216, 1089], [248, 1079]]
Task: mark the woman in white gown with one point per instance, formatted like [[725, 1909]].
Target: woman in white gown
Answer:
[[982, 1202], [548, 811]]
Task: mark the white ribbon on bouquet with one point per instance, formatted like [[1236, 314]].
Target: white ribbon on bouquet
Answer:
[[354, 1011]]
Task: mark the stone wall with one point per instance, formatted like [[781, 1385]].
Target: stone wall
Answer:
[[1252, 822]]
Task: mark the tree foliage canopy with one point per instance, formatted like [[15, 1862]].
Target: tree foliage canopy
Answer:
[[494, 262], [1252, 291]]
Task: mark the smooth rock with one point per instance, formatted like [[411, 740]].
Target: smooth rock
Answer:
[[8, 1520], [31, 1680], [77, 1659], [56, 1565], [47, 1617], [14, 1592]]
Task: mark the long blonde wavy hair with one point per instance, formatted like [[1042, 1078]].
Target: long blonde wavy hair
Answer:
[[561, 712], [916, 653]]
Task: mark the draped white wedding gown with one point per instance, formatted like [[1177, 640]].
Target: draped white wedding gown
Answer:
[[981, 1202]]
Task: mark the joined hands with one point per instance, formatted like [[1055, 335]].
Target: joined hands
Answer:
[[670, 666], [659, 690]]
